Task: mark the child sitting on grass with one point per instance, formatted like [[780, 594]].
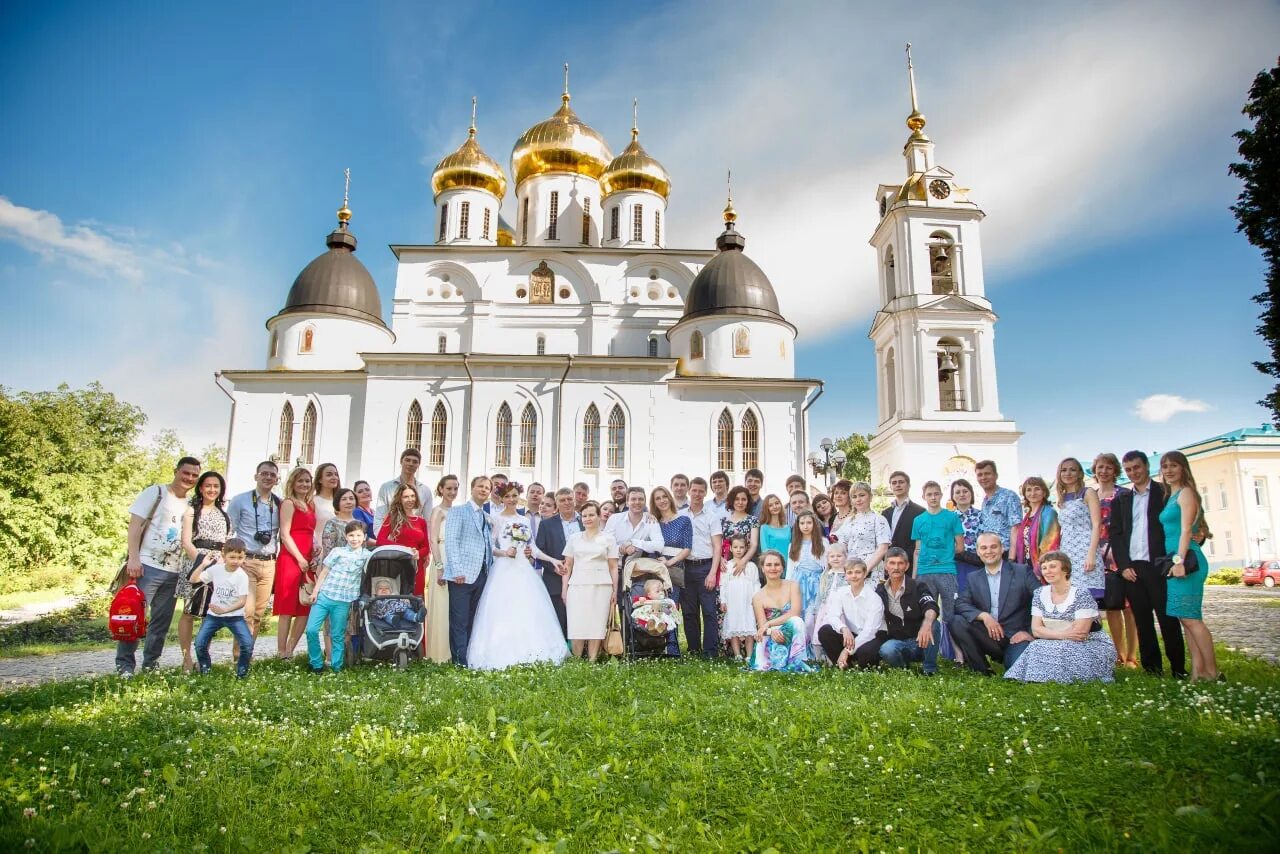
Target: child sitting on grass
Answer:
[[654, 612], [337, 586], [394, 614], [226, 605]]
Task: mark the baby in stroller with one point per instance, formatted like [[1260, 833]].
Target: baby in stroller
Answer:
[[394, 613], [653, 612]]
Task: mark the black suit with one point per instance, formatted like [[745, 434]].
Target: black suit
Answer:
[[550, 540], [1148, 595], [1013, 612], [902, 534]]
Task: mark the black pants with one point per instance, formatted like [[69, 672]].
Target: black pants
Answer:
[[867, 655], [977, 646], [1147, 596], [701, 610]]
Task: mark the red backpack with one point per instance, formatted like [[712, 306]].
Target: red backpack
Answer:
[[128, 614]]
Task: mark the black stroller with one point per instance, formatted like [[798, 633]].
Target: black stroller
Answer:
[[639, 642], [389, 627]]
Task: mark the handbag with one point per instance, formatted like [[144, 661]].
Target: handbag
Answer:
[[613, 644], [1164, 565], [122, 579], [307, 590]]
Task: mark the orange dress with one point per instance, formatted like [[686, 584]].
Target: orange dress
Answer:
[[289, 575]]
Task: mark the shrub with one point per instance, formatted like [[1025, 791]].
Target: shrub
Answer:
[[1225, 576]]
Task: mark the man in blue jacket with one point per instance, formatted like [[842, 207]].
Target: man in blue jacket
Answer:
[[993, 614]]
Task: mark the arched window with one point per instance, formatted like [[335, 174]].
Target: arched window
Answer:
[[464, 221], [742, 343], [613, 222], [695, 345], [617, 438], [941, 268], [750, 441], [950, 380], [591, 438], [890, 286], [653, 346], [890, 384], [284, 448], [442, 343], [502, 437], [273, 345], [413, 427], [724, 442], [542, 344], [553, 215], [528, 437], [439, 429], [637, 223], [444, 221], [308, 340], [309, 434]]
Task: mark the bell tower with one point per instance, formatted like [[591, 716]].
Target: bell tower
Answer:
[[938, 408]]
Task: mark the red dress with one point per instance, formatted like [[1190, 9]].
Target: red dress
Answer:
[[302, 531], [413, 535]]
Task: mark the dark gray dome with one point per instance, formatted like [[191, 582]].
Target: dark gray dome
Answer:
[[732, 284], [336, 283]]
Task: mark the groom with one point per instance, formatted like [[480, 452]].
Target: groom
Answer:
[[468, 552]]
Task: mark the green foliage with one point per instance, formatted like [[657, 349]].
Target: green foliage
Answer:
[[1257, 210], [651, 757], [856, 465], [1225, 576], [85, 622]]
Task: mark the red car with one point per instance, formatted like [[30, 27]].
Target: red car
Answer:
[[1264, 572]]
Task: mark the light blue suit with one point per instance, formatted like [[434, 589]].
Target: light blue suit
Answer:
[[468, 551]]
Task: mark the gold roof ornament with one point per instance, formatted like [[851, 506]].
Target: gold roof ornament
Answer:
[[916, 121], [344, 212], [634, 169], [563, 143], [730, 215], [469, 166]]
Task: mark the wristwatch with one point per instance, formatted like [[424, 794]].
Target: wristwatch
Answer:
[[1177, 559]]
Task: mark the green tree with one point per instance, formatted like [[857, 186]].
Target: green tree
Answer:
[[856, 464], [1257, 210]]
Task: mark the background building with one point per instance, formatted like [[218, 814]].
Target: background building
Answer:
[[1238, 474]]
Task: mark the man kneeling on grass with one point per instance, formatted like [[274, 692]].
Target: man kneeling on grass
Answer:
[[909, 615], [227, 605]]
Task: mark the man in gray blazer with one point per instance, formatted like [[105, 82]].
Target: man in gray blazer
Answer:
[[552, 534], [993, 614]]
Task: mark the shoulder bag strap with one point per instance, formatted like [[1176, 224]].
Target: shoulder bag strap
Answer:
[[147, 523]]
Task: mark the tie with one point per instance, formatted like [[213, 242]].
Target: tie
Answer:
[[488, 547]]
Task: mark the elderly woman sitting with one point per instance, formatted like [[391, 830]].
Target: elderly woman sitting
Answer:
[[1069, 644]]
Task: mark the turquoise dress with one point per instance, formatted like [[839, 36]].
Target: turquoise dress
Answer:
[[1187, 593], [776, 538], [788, 656]]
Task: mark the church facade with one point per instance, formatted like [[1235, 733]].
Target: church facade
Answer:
[[574, 347]]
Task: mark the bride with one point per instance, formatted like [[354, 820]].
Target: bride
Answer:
[[515, 622]]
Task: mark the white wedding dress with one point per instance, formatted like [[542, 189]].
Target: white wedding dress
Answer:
[[515, 622]]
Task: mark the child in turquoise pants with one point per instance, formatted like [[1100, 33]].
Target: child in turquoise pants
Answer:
[[337, 587]]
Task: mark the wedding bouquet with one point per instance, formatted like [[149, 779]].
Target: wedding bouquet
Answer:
[[519, 532]]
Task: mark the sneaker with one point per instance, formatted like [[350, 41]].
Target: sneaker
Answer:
[[241, 674], [204, 671], [319, 671], [125, 674]]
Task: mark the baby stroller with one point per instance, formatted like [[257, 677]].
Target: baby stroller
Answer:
[[378, 638], [638, 641]]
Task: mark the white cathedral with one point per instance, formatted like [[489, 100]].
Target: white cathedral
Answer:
[[578, 347]]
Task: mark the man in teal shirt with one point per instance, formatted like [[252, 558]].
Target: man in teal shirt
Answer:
[[939, 535]]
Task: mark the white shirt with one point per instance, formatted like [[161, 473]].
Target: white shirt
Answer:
[[898, 507], [863, 615], [1139, 546], [388, 492], [706, 523], [162, 545], [228, 586], [646, 536]]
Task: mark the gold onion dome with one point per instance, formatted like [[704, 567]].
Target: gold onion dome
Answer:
[[469, 166], [562, 143], [634, 169]]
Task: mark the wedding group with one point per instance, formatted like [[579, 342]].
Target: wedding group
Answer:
[[505, 574]]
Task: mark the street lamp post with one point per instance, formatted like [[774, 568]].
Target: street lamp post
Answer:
[[830, 462]]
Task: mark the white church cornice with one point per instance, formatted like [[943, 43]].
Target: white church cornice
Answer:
[[490, 252]]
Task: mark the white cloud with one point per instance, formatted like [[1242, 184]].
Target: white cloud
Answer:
[[1158, 408], [44, 233]]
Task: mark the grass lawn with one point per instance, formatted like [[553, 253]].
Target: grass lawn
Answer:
[[648, 756]]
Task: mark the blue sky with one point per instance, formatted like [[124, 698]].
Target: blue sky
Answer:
[[167, 169]]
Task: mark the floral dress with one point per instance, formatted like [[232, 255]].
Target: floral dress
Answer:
[[971, 521], [862, 536], [788, 656], [1075, 527], [212, 529], [1104, 537], [1044, 660], [731, 529]]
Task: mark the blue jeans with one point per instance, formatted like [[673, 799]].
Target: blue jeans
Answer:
[[239, 626], [901, 653], [701, 609], [158, 587], [336, 613]]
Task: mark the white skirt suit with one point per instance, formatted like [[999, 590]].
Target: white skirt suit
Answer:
[[590, 587]]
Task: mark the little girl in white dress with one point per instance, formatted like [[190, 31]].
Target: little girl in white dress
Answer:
[[739, 581]]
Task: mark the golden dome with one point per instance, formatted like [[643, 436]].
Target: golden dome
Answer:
[[506, 236], [469, 166], [562, 143], [634, 169]]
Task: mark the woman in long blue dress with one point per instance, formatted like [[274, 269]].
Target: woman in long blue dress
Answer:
[[781, 642], [806, 562], [1181, 517]]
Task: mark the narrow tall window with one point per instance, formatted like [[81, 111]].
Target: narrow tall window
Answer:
[[487, 213], [724, 442], [617, 438], [284, 448], [695, 345], [750, 441], [413, 427], [613, 223], [439, 429], [442, 343], [273, 345], [653, 347], [586, 220], [1260, 492], [502, 438], [528, 437], [309, 434], [524, 221], [464, 221], [542, 344], [553, 215], [637, 223], [591, 438], [890, 384], [444, 221], [657, 228]]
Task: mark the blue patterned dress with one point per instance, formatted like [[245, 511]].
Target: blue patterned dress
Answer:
[[1044, 660], [807, 572], [1186, 594], [788, 656], [1076, 526]]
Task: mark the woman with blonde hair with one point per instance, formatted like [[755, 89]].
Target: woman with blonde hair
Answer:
[[438, 593], [866, 535], [1037, 534], [1120, 622], [295, 564], [1181, 518], [1080, 527]]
